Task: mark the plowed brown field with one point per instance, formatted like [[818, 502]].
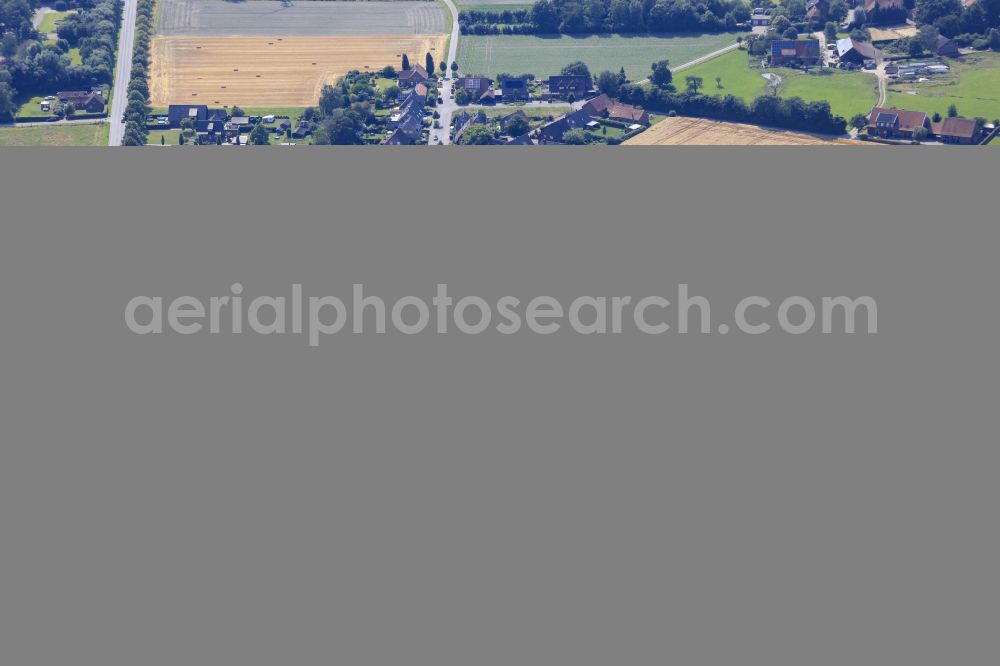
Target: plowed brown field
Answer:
[[701, 132], [270, 71]]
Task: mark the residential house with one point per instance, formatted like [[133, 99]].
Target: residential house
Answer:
[[514, 90], [760, 18], [960, 131], [851, 50], [511, 116], [891, 123], [598, 106], [564, 86], [465, 120], [413, 76], [86, 101], [628, 114], [816, 10], [176, 113], [553, 132], [796, 52], [523, 140], [480, 88], [304, 129]]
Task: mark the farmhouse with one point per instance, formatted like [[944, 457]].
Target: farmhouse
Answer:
[[850, 50], [946, 47], [889, 123], [90, 101], [791, 52], [514, 90], [413, 76], [959, 131], [564, 86], [553, 132], [480, 88]]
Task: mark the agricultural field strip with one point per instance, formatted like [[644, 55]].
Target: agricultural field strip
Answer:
[[682, 131], [267, 17]]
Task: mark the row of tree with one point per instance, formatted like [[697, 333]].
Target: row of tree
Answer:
[[137, 107], [609, 16]]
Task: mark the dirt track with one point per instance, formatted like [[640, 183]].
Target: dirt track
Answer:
[[701, 132], [269, 71]]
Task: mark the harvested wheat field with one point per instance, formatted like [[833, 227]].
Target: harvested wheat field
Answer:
[[269, 71], [701, 132]]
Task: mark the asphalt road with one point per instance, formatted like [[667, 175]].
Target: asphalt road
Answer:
[[123, 72], [442, 136]]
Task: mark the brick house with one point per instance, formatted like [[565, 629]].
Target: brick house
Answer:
[[889, 123]]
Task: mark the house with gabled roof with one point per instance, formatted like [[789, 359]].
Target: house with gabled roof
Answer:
[[851, 50], [800, 52], [564, 86], [957, 131], [412, 77], [553, 132], [892, 123]]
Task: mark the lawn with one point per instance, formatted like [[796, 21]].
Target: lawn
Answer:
[[31, 107], [849, 93], [973, 85], [48, 24], [544, 56], [56, 135]]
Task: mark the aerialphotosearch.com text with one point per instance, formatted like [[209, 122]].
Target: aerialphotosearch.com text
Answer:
[[322, 316]]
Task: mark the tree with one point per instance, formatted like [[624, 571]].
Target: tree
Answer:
[[928, 36], [236, 111], [462, 97], [7, 106], [718, 82], [859, 122], [391, 94], [69, 110], [994, 39], [780, 24], [517, 126], [545, 17], [443, 66], [478, 135], [607, 83], [791, 33], [952, 111], [576, 137], [661, 75], [429, 64], [830, 32], [920, 134], [406, 62], [576, 69], [936, 117], [259, 135], [454, 67], [693, 83]]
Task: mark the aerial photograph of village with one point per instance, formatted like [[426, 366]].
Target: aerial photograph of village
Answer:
[[498, 72]]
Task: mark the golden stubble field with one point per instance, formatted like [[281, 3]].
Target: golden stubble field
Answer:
[[270, 71], [701, 132]]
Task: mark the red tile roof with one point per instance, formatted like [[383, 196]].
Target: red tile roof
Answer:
[[960, 128]]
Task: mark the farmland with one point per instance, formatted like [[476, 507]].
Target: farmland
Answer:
[[973, 86], [545, 56], [62, 134], [268, 71], [701, 132], [266, 17], [849, 93]]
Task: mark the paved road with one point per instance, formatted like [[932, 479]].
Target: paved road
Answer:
[[123, 72], [442, 135]]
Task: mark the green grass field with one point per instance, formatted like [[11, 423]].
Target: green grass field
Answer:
[[48, 24], [973, 85], [849, 93], [545, 56], [57, 135]]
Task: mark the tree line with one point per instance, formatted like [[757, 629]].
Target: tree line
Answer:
[[608, 16]]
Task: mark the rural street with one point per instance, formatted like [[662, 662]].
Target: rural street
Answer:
[[447, 108], [123, 72]]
